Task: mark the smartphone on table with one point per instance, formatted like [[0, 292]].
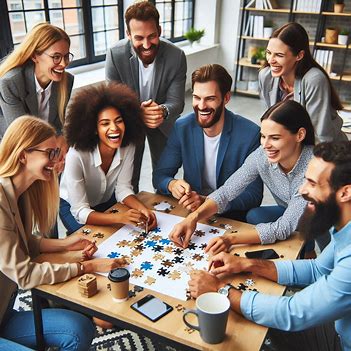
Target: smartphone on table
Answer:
[[266, 254], [152, 307]]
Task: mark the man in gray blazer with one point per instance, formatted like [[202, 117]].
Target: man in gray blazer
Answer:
[[156, 70]]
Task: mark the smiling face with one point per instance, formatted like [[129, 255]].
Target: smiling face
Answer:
[[145, 38], [281, 146], [37, 164], [45, 69], [110, 129], [208, 104], [322, 210], [281, 59]]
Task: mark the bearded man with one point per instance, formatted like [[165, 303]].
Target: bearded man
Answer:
[[211, 143], [156, 70], [319, 316]]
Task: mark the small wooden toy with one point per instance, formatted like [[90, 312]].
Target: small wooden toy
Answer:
[[87, 285]]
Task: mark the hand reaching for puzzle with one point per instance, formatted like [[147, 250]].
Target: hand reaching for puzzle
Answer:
[[104, 264], [182, 232], [218, 244], [201, 282], [131, 217], [178, 188], [191, 201], [80, 242]]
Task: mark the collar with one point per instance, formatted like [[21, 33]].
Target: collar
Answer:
[[117, 159], [341, 238], [38, 87]]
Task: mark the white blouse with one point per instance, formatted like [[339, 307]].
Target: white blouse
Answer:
[[84, 184]]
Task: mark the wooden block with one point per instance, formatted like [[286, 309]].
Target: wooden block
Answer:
[[87, 285]]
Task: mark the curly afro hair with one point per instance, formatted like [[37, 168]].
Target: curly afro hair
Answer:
[[80, 127]]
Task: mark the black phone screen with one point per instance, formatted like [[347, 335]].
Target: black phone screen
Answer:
[[266, 254], [151, 307]]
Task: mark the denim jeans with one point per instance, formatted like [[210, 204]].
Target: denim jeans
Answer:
[[266, 214], [70, 222], [65, 329]]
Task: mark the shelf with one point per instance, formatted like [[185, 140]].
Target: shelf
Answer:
[[245, 62], [305, 13], [253, 38], [266, 10], [343, 14], [248, 92], [347, 106], [335, 46]]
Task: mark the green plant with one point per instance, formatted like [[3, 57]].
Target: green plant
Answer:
[[344, 32], [261, 53], [194, 35]]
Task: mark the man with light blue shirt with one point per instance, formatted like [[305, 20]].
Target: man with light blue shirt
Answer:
[[327, 298]]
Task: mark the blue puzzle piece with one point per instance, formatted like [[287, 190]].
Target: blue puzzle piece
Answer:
[[113, 254], [146, 266], [165, 241], [150, 243], [156, 230]]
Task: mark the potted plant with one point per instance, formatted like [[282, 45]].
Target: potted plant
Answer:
[[267, 29], [261, 56], [331, 35], [194, 35], [343, 37], [339, 6]]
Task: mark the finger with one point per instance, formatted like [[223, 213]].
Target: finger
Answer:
[[146, 103], [183, 199]]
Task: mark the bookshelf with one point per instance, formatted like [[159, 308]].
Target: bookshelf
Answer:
[[315, 16]]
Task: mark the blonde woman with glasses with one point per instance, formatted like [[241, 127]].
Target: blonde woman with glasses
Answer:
[[29, 199], [33, 80]]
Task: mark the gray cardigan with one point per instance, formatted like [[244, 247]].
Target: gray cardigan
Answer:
[[313, 93], [18, 97]]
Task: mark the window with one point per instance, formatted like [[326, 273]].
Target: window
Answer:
[[176, 17], [93, 25]]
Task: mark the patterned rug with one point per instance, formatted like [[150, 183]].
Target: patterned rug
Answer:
[[105, 340]]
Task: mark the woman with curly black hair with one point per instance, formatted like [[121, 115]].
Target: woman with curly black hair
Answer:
[[102, 126]]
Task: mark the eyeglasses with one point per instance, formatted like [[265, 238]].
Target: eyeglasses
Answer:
[[52, 153], [57, 58]]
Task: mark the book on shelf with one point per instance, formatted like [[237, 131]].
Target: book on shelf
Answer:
[[254, 26], [324, 58], [262, 4], [307, 5]]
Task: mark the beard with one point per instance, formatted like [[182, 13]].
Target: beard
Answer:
[[315, 223], [216, 115], [149, 59]]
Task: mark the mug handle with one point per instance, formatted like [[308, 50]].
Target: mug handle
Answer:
[[186, 312]]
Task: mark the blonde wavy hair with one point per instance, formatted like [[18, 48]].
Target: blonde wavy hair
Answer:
[[23, 133], [38, 40]]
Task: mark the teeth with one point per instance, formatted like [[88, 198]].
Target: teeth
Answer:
[[205, 113], [58, 71], [113, 136]]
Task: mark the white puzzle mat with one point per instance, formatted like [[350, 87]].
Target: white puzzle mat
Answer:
[[156, 263]]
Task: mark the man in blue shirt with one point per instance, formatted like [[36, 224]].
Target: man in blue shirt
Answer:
[[211, 143], [327, 297]]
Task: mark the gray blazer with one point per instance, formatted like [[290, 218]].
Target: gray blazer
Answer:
[[122, 65], [313, 93], [18, 97]]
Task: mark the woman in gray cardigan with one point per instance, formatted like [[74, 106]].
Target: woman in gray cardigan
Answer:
[[292, 73]]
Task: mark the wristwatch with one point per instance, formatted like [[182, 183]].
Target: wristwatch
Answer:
[[165, 111], [224, 290]]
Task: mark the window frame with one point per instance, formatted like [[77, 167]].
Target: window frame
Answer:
[[7, 45]]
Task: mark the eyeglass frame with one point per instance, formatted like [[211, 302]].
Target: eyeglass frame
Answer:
[[69, 59], [51, 152]]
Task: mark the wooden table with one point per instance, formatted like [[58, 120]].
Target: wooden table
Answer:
[[241, 334]]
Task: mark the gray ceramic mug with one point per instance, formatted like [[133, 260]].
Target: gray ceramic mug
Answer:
[[212, 311]]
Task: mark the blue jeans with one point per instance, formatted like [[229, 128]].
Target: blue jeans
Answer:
[[266, 214], [70, 222], [65, 329]]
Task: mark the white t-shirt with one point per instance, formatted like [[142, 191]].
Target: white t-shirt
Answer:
[[146, 78], [43, 96], [84, 184], [211, 145]]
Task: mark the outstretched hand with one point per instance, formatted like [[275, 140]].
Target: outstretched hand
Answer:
[[182, 232]]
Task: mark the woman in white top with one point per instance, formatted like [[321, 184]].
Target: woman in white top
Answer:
[[102, 125]]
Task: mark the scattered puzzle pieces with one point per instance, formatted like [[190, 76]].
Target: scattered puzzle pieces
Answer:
[[146, 265], [158, 257], [174, 275], [98, 235], [137, 273], [86, 231], [113, 254], [123, 243], [149, 280]]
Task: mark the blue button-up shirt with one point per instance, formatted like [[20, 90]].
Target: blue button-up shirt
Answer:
[[327, 296]]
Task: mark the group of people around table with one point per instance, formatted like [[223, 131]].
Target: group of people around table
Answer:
[[81, 155]]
